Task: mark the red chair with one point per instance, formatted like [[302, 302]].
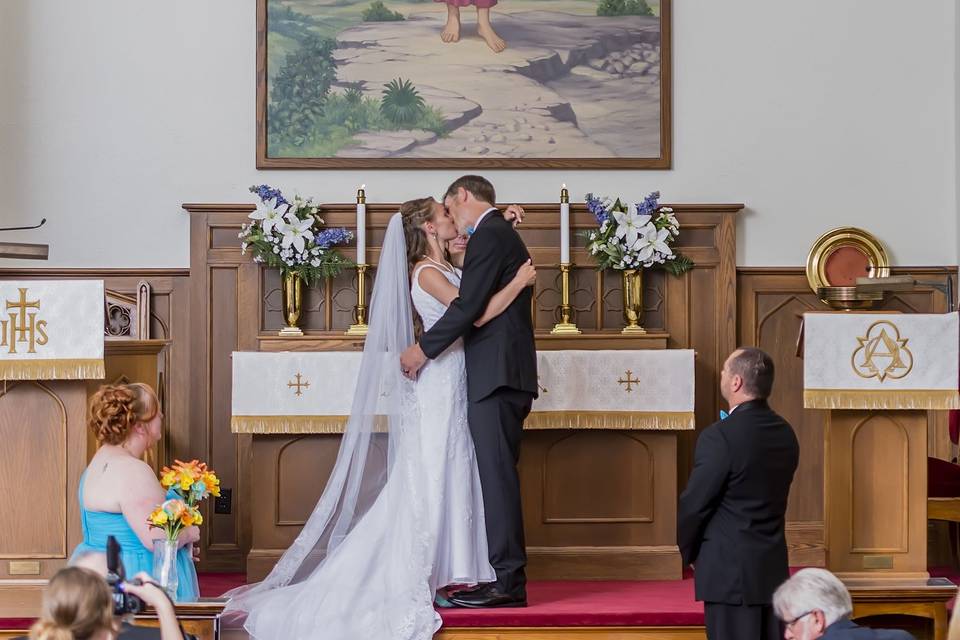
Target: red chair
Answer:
[[943, 486]]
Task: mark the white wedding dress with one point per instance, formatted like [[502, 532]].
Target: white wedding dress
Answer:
[[424, 530]]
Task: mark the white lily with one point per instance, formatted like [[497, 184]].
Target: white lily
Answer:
[[653, 242], [296, 234], [268, 215], [629, 225]]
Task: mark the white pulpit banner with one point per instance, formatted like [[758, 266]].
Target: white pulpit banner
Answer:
[[51, 330], [880, 361], [311, 392]]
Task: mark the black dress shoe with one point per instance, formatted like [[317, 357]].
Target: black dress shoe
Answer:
[[487, 596]]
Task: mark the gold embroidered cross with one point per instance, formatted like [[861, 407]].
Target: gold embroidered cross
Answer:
[[299, 385], [629, 381]]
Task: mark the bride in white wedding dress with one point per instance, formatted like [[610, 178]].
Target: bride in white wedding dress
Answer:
[[402, 513]]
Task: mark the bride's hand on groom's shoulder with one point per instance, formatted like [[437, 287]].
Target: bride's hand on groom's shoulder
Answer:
[[411, 360], [514, 213]]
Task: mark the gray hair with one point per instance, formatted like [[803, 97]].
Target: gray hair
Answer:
[[813, 590]]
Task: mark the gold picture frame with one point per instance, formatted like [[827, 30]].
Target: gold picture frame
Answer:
[[845, 237]]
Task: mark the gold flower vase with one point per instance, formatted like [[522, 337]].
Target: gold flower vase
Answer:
[[633, 301], [292, 290]]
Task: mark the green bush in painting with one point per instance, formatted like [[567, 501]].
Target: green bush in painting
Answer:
[[299, 90], [353, 95], [286, 22], [401, 103], [378, 12], [624, 8]]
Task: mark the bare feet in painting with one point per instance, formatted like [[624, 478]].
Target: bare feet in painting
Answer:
[[485, 31], [451, 32]]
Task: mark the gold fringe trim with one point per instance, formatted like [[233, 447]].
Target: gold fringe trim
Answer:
[[52, 369], [881, 399], [539, 420], [614, 420]]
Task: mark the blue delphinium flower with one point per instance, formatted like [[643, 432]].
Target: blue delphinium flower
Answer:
[[266, 192], [330, 237], [596, 207], [649, 204]]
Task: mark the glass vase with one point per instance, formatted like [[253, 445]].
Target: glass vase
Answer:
[[165, 565]]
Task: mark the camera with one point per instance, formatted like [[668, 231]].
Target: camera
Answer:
[[123, 603]]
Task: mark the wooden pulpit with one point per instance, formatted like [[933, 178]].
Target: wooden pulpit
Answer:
[[879, 375], [51, 343]]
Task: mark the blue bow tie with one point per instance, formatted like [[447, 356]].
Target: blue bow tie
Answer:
[[470, 231], [724, 415]]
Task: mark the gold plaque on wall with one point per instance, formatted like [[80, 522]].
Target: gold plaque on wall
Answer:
[[842, 255]]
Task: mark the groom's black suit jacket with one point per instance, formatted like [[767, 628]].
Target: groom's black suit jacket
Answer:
[[502, 352]]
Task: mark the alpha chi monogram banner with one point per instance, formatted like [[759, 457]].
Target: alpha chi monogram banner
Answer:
[[295, 392], [880, 361], [51, 330]]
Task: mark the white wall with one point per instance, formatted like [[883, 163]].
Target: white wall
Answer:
[[815, 113]]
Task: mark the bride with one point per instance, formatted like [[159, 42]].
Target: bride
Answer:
[[402, 513]]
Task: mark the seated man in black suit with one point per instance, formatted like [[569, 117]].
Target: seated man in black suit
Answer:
[[815, 604], [731, 515]]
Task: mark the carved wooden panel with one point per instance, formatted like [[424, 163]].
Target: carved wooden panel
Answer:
[[33, 429], [771, 304]]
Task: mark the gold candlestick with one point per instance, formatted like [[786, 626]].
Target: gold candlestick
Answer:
[[565, 327], [360, 311]]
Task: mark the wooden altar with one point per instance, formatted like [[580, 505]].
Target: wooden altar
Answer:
[[576, 483]]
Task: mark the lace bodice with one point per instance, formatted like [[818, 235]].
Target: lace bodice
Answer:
[[429, 308]]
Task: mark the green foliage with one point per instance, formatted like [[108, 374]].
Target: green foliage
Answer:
[[283, 20], [299, 91], [624, 8], [401, 104], [353, 96], [378, 12], [678, 266]]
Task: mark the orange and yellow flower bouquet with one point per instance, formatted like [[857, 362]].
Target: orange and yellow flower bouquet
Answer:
[[187, 484]]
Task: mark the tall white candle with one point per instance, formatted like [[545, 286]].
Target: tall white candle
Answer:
[[564, 225], [361, 225]]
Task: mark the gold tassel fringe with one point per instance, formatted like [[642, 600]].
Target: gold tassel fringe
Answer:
[[929, 399], [539, 420], [52, 369], [613, 420]]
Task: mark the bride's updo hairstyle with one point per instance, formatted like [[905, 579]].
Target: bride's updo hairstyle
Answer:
[[116, 408], [76, 605], [416, 213]]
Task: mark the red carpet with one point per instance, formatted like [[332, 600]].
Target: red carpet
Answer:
[[561, 603], [555, 603]]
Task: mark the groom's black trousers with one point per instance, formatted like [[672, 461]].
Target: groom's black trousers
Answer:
[[496, 423]]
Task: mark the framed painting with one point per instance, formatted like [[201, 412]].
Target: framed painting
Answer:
[[440, 84]]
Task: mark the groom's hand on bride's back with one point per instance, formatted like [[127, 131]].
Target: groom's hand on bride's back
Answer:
[[411, 360]]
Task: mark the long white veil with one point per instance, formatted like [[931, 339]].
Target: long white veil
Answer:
[[382, 407]]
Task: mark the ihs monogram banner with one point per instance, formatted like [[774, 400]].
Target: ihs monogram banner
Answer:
[[880, 361], [297, 392], [51, 330]]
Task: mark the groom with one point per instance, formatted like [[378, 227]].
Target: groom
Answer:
[[501, 378]]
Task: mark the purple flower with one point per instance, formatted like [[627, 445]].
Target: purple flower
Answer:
[[330, 237], [596, 207], [266, 192], [649, 204]]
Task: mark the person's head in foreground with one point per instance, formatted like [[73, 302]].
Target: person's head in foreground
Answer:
[[77, 604], [815, 604]]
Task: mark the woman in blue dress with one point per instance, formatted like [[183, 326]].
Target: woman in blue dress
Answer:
[[118, 490]]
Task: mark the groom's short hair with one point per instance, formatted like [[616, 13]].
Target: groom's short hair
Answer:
[[479, 186]]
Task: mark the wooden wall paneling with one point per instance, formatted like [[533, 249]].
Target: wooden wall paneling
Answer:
[[770, 307]]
